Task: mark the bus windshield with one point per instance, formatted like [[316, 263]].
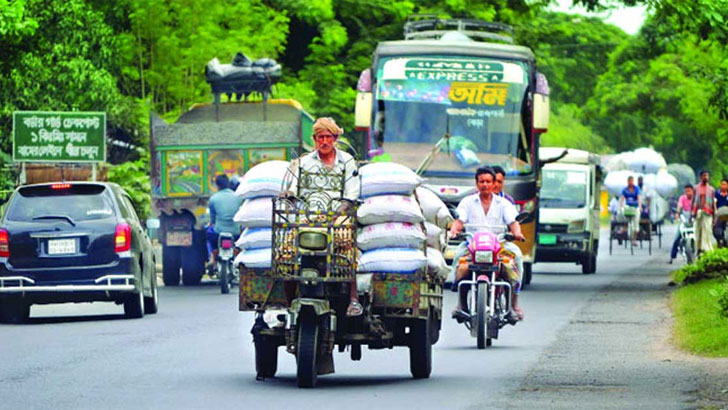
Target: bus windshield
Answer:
[[477, 102]]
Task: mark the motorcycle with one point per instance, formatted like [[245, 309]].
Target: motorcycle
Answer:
[[686, 244], [224, 261], [489, 300]]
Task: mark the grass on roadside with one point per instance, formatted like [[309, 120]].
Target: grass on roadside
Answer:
[[699, 327]]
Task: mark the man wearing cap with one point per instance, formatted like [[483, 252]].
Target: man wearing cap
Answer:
[[326, 158]]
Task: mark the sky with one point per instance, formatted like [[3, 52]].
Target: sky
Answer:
[[629, 19]]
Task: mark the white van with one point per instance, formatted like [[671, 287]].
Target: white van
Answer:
[[568, 210]]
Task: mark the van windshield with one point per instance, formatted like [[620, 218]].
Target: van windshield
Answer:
[[563, 189]]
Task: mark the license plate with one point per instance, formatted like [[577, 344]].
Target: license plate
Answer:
[[547, 239], [61, 246], [179, 238], [226, 253]]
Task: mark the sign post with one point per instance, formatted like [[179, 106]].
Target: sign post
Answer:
[[44, 136]]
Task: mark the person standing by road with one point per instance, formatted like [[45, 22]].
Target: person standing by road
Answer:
[[703, 209], [631, 197], [222, 207], [684, 204], [721, 211]]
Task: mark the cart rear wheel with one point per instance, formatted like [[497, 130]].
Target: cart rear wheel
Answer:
[[481, 314], [307, 350], [420, 349]]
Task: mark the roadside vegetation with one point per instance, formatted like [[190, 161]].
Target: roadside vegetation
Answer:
[[700, 305]]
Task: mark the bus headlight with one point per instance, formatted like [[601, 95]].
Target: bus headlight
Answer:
[[576, 226], [528, 206]]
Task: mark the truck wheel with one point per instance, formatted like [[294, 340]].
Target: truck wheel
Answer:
[[170, 265], [420, 349], [527, 270], [14, 310], [193, 260]]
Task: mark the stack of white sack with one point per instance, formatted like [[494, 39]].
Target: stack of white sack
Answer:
[[656, 187], [258, 187], [391, 237]]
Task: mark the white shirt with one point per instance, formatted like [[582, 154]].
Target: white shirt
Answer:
[[500, 214], [344, 163]]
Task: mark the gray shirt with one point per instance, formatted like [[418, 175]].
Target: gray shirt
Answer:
[[223, 206], [344, 163]]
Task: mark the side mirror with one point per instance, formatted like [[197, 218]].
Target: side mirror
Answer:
[[363, 108], [541, 104], [523, 217], [152, 223]]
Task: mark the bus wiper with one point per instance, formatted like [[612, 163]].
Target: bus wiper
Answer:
[[436, 149], [65, 217]]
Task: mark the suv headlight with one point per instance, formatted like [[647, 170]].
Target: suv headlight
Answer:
[[483, 256], [576, 226], [313, 241]]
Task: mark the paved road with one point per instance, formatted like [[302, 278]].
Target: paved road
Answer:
[[197, 352]]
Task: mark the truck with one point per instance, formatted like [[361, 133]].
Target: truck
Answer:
[[568, 221], [454, 95], [208, 140]]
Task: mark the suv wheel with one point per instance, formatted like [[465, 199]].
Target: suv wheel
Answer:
[[14, 311], [134, 305]]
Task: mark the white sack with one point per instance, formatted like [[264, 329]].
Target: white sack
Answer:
[[616, 163], [403, 260], [390, 235], [436, 263], [435, 236], [255, 238], [382, 178], [665, 184], [616, 181], [254, 258], [433, 209], [389, 208], [255, 213], [264, 179], [645, 160], [658, 208]]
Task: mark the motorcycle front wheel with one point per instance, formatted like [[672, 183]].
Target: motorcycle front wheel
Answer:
[[481, 314]]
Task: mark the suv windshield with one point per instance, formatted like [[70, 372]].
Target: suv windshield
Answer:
[[563, 189], [72, 203], [477, 101]]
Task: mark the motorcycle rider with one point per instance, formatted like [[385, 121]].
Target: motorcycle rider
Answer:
[[485, 208], [222, 207], [326, 157], [500, 178], [684, 204]]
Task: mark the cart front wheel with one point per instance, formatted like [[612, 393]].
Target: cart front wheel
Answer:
[[307, 349]]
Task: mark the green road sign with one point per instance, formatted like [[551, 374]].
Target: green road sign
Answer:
[[43, 136]]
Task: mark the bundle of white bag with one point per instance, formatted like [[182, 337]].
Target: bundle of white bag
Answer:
[[658, 184], [258, 187], [391, 236]]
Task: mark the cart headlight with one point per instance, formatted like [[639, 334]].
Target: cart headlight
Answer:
[[309, 273], [576, 226], [483, 256], [313, 241]]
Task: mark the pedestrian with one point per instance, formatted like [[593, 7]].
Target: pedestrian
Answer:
[[721, 212], [703, 209]]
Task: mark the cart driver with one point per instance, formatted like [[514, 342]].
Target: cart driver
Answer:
[[485, 208], [327, 157]]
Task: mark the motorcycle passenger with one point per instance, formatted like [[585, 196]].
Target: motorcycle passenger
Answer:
[[326, 156], [222, 207], [631, 196], [721, 209], [703, 209], [500, 177], [485, 208], [684, 204]]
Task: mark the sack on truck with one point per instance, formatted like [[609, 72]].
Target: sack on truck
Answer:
[[436, 263], [392, 260], [255, 238], [433, 209], [254, 258], [383, 178], [264, 179], [390, 235], [389, 208]]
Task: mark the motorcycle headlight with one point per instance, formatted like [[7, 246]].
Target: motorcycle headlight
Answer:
[[483, 256], [313, 241]]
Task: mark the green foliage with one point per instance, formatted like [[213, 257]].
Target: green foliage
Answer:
[[721, 294], [567, 130], [133, 176], [710, 265]]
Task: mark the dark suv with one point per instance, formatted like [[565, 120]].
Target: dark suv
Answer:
[[74, 242]]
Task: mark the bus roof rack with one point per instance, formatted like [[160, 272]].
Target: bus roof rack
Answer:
[[429, 26]]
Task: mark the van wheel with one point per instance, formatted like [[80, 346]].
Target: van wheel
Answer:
[[589, 264], [527, 272], [14, 310]]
